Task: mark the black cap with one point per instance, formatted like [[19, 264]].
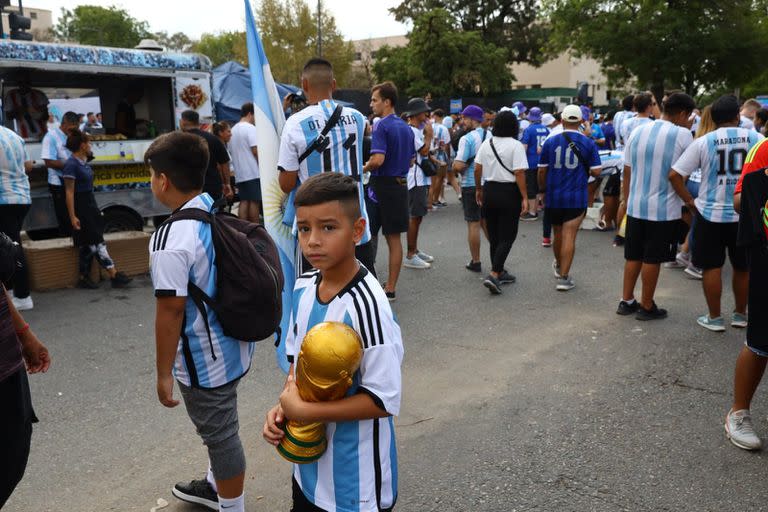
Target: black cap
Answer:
[[416, 106]]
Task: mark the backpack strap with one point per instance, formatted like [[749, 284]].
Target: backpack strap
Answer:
[[322, 141], [498, 158], [577, 152]]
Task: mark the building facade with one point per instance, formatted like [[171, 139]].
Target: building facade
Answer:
[[41, 21]]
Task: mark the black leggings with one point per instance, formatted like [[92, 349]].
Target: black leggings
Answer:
[[502, 204], [11, 219]]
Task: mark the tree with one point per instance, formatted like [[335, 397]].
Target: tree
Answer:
[[223, 47], [696, 45], [510, 24], [101, 26], [178, 42], [442, 59], [289, 32]]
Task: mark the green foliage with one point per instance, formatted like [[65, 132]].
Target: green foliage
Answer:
[[696, 45], [509, 24], [178, 42], [444, 60], [100, 26], [288, 30], [223, 47]]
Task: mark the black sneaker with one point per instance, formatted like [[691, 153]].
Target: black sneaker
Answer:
[[493, 285], [474, 266], [197, 491], [120, 280], [625, 308], [390, 296], [507, 278], [618, 241], [655, 313], [87, 283]]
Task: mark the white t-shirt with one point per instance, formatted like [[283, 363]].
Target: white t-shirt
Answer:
[[554, 131], [416, 177], [244, 137], [746, 123], [512, 153]]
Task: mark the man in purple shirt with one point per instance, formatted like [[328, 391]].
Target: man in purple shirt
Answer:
[[392, 151]]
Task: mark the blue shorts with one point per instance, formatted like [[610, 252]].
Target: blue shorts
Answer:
[[249, 190]]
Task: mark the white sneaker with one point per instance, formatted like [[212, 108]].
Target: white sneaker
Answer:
[[425, 257], [24, 304], [416, 262], [741, 432], [556, 269]]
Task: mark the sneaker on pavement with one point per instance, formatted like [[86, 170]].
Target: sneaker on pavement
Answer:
[[87, 284], [737, 320], [618, 241], [712, 324], [673, 264], [556, 269], [627, 308], [390, 296], [741, 432], [564, 283], [693, 272], [24, 304], [416, 262], [197, 491], [655, 313], [424, 256], [474, 266], [507, 278], [120, 280], [493, 285], [546, 242], [683, 258], [528, 216]]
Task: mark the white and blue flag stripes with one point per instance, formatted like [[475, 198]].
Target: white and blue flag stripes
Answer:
[[269, 121]]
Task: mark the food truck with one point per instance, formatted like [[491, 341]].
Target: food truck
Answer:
[[140, 94]]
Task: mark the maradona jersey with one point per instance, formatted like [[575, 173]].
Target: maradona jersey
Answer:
[[358, 471]]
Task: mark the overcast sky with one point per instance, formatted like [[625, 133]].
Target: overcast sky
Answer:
[[357, 19]]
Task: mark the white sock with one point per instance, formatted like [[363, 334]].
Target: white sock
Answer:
[[232, 505], [211, 479], [630, 301]]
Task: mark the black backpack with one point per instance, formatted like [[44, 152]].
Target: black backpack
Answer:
[[249, 277]]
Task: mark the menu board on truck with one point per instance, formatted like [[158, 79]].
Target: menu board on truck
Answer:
[[192, 91]]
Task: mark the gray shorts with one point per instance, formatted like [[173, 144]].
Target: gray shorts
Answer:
[[417, 201], [249, 190], [214, 414]]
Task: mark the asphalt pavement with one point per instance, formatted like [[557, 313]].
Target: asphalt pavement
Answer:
[[534, 400]]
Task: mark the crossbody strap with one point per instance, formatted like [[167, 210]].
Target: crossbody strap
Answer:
[[577, 152], [498, 158], [322, 141]]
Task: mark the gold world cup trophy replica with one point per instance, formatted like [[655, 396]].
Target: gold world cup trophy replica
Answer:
[[330, 355]]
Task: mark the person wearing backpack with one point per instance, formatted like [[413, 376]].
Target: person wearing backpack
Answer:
[[206, 363], [500, 191]]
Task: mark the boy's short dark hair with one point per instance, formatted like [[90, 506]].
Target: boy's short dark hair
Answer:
[[678, 102], [70, 117], [75, 139], [246, 109], [387, 91], [642, 101], [626, 103], [191, 116], [327, 187], [439, 112], [182, 157], [725, 109], [317, 62]]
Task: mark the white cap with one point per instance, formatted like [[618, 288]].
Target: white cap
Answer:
[[547, 119], [571, 114]]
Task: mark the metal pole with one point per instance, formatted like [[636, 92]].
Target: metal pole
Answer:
[[319, 29]]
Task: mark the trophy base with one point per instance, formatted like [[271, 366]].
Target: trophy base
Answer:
[[301, 452]]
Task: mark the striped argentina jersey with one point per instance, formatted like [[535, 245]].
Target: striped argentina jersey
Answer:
[[630, 125], [440, 134], [720, 155], [469, 145], [14, 183], [344, 153], [358, 471], [650, 152], [416, 177], [179, 253]]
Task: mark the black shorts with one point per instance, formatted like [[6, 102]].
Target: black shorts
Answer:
[[612, 186], [469, 204], [559, 216], [532, 183], [390, 211], [249, 190], [15, 431], [652, 241], [713, 239], [417, 201], [757, 328]]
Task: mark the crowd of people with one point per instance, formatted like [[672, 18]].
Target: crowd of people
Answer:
[[685, 188]]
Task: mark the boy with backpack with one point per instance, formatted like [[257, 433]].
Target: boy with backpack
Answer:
[[358, 472], [206, 363]]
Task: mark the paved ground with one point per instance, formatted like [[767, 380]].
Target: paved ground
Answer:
[[534, 400]]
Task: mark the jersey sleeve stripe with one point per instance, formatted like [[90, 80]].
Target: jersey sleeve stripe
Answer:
[[165, 237], [375, 311], [369, 324], [360, 320]]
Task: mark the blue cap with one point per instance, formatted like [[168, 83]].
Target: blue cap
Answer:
[[520, 107], [534, 115], [473, 112]]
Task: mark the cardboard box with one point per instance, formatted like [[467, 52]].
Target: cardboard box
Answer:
[[54, 263]]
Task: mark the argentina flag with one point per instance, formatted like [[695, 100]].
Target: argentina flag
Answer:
[[269, 121]]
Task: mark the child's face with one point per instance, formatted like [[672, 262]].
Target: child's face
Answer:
[[327, 235]]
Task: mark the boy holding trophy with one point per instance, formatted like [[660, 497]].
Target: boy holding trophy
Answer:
[[345, 350]]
